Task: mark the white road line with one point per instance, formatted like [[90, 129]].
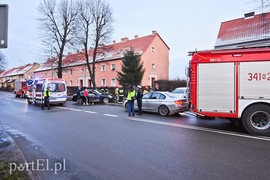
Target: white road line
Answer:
[[91, 112], [71, 109], [78, 110], [111, 115], [23, 102], [199, 129]]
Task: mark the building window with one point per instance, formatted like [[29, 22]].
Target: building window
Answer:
[[82, 70], [45, 74], [71, 71], [113, 66], [113, 82], [65, 71], [103, 82], [153, 49], [77, 70], [70, 82], [103, 67], [153, 66]]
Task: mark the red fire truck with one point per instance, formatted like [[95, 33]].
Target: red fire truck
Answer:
[[232, 84], [21, 87]]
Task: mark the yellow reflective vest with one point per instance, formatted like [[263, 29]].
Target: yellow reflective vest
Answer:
[[46, 93], [121, 92], [131, 94]]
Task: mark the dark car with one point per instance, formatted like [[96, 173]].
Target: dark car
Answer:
[[94, 96]]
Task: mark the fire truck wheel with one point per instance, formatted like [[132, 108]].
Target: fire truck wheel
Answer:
[[163, 110], [256, 119]]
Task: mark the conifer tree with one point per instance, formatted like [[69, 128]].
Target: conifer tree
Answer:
[[132, 69]]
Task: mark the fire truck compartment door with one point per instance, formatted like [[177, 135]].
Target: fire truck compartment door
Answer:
[[254, 80], [216, 87]]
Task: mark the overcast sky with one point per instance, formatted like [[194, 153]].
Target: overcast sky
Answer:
[[183, 25]]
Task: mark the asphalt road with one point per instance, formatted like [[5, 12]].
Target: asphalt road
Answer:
[[102, 142]]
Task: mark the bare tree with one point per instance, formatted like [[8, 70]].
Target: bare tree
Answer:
[[96, 27], [3, 61], [261, 5], [58, 26]]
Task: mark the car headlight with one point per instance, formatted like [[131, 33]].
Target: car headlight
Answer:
[[109, 96]]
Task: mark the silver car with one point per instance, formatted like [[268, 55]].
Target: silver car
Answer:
[[164, 103], [181, 92]]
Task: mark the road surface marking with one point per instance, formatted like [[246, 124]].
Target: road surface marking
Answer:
[[111, 115], [23, 102], [72, 109], [91, 112], [199, 128]]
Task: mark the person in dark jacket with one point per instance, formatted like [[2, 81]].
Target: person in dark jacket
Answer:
[[78, 93], [46, 95], [139, 100]]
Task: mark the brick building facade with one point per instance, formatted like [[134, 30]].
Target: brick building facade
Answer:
[[153, 51]]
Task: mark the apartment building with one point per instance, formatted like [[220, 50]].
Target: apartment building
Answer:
[[154, 53]]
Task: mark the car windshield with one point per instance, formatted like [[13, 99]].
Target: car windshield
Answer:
[[38, 87], [179, 91], [171, 95], [96, 92]]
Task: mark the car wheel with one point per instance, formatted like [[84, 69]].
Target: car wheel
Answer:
[[163, 110], [105, 100], [256, 120]]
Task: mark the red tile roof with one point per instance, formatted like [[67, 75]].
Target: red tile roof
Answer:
[[244, 30], [105, 53], [17, 70]]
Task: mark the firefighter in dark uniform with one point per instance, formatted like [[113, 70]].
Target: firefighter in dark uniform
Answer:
[[121, 95], [46, 95]]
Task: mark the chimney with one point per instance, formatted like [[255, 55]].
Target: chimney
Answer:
[[136, 36], [114, 41], [125, 39], [249, 15], [154, 32]]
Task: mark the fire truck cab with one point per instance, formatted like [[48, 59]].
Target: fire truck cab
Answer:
[[232, 84], [58, 91], [21, 87]]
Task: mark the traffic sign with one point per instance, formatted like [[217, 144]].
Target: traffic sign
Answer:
[[3, 25]]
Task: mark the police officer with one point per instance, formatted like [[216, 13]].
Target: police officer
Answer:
[[46, 95], [139, 100], [130, 98]]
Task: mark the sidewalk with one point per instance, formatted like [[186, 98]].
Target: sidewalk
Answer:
[[10, 153]]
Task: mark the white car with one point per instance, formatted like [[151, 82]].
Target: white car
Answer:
[[164, 103]]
